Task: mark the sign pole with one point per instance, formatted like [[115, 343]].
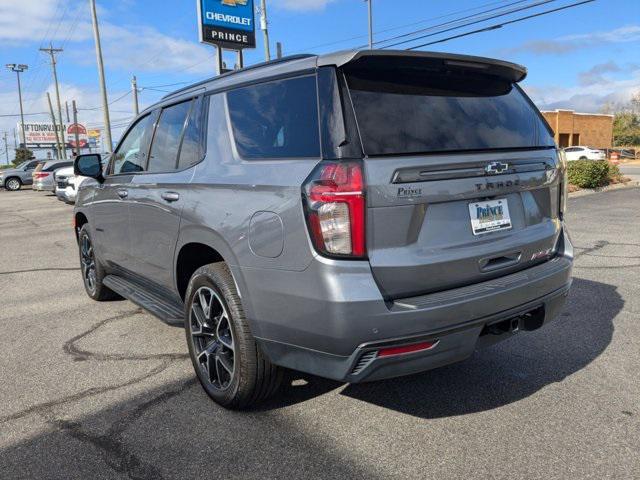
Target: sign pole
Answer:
[[75, 123], [55, 127], [229, 25], [219, 64]]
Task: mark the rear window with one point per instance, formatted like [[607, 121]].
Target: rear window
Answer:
[[276, 120], [55, 166], [404, 111]]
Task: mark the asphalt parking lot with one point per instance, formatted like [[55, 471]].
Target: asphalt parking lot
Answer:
[[97, 391]]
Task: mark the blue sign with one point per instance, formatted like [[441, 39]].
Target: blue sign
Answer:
[[227, 23]]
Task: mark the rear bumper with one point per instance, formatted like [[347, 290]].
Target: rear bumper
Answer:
[[335, 314], [43, 187]]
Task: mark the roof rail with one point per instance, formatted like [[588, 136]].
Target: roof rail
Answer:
[[289, 58]]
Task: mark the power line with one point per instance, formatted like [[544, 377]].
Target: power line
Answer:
[[454, 21], [399, 27], [500, 25], [473, 22]]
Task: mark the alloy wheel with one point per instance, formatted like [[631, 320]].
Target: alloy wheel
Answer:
[[88, 261], [212, 338], [13, 184]]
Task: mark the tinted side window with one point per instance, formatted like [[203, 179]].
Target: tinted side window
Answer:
[[166, 140], [130, 156], [276, 119], [191, 150]]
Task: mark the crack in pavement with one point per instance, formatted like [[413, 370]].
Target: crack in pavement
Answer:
[[41, 408], [79, 354], [116, 455], [52, 269]]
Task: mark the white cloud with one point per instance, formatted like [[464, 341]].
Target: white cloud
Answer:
[[301, 5], [570, 43], [590, 97], [32, 20]]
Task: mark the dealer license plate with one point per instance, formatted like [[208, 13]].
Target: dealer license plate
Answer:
[[489, 216]]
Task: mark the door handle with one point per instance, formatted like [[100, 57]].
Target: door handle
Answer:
[[170, 196], [122, 193]]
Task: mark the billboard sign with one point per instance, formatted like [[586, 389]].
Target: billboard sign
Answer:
[[227, 23], [81, 132], [93, 137], [39, 133]]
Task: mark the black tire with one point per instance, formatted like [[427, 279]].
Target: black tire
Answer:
[[253, 378], [88, 260], [583, 158], [13, 184]]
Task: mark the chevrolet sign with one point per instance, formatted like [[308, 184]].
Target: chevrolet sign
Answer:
[[227, 23]]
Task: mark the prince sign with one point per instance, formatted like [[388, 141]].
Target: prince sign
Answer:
[[227, 23]]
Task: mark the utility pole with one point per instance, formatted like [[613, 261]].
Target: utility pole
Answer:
[[370, 23], [265, 30], [103, 87], [52, 52], [66, 105], [6, 147], [75, 126], [19, 68], [278, 50], [134, 89], [55, 127]]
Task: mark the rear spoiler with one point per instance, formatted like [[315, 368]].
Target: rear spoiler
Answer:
[[489, 66]]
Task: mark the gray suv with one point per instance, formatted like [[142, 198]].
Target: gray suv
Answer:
[[358, 216], [14, 178]]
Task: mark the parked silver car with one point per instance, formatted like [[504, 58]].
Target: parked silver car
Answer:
[[14, 178], [358, 216], [43, 177]]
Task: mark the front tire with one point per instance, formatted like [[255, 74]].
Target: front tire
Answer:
[[227, 360], [92, 270], [12, 184]]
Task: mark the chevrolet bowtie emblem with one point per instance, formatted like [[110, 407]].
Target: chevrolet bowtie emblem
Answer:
[[495, 168], [234, 3]]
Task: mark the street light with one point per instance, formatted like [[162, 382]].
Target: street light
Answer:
[[19, 68]]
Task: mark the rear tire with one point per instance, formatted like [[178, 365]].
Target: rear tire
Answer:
[[228, 362], [12, 184], [93, 272], [584, 158]]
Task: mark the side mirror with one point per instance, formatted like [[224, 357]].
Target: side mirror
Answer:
[[89, 165]]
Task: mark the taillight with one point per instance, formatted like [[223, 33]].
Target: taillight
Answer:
[[564, 179], [335, 206], [40, 175]]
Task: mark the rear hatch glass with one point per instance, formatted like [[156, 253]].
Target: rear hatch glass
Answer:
[[406, 109]]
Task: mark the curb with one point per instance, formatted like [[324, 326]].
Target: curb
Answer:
[[617, 186]]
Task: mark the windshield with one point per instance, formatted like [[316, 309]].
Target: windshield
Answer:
[[411, 110]]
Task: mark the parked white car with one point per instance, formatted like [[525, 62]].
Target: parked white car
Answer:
[[583, 153], [66, 184]]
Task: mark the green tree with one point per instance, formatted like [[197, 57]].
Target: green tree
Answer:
[[22, 154], [626, 123]]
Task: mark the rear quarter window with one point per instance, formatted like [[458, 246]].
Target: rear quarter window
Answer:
[[278, 119]]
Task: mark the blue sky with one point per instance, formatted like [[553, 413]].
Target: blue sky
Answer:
[[580, 58]]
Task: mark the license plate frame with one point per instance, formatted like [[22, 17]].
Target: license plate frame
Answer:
[[490, 216]]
